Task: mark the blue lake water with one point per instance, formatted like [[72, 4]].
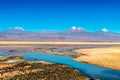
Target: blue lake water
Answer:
[[2, 54], [92, 71]]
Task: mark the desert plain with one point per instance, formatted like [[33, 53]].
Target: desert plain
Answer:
[[106, 54]]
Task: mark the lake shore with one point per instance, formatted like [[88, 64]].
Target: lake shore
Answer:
[[21, 69], [99, 53]]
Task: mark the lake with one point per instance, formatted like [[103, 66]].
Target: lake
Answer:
[[90, 70], [2, 54]]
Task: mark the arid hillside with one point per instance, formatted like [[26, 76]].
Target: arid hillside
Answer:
[[18, 69]]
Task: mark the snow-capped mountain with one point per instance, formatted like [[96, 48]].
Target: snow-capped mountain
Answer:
[[79, 29], [13, 30], [105, 30], [16, 29], [72, 34]]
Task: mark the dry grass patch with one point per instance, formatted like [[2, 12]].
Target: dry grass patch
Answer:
[[2, 65], [107, 57]]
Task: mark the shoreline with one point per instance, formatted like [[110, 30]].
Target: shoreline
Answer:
[[39, 68]]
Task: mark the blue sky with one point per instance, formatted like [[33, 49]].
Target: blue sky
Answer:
[[60, 14]]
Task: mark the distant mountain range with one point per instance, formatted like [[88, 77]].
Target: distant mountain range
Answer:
[[73, 34]]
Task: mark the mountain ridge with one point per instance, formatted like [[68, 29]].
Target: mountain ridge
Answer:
[[72, 34]]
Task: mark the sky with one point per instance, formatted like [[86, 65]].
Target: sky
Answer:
[[92, 15]]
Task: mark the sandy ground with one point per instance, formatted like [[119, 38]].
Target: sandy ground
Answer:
[[68, 43], [107, 57], [15, 46]]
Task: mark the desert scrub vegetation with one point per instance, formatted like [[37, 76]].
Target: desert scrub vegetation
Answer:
[[41, 71]]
